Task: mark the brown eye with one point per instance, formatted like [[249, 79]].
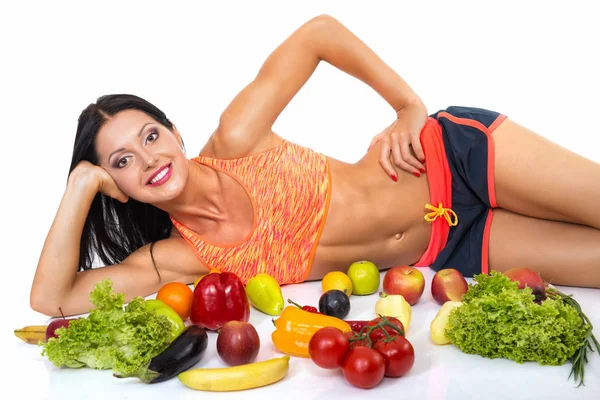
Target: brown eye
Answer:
[[122, 162], [152, 137]]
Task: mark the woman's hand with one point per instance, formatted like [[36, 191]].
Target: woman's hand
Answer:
[[90, 175], [398, 139]]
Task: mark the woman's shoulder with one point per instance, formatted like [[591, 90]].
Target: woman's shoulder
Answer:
[[221, 147]]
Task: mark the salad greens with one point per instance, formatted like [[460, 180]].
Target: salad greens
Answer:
[[497, 319], [111, 336]]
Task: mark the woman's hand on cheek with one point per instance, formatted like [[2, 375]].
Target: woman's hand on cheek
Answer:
[[93, 177], [397, 140], [109, 187]]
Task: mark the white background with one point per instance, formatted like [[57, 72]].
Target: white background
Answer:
[[536, 62]]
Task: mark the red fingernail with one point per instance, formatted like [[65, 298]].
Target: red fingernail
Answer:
[[422, 170], [394, 178], [422, 159], [416, 174]]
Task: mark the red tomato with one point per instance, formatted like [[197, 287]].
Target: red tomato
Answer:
[[356, 343], [378, 333], [328, 347], [399, 355], [364, 367]]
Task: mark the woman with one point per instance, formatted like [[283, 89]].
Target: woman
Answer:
[[457, 189]]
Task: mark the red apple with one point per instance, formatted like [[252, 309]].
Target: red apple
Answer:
[[448, 285], [405, 280], [238, 343], [528, 277], [54, 325]]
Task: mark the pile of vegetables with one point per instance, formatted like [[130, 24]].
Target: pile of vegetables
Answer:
[[497, 319], [112, 336]]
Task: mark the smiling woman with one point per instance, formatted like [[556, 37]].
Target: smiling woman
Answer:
[[114, 229], [144, 159], [454, 189]]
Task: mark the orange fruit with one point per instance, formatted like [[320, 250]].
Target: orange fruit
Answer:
[[178, 296], [337, 280]]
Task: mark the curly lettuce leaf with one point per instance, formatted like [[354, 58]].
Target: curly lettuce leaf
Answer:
[[490, 285], [114, 337], [104, 298], [497, 319]]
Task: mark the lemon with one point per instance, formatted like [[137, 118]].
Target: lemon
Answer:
[[337, 280], [364, 276]]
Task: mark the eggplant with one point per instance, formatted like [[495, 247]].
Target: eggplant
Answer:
[[182, 354]]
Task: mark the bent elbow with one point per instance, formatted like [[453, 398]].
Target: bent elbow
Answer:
[[42, 305], [323, 20], [321, 24]]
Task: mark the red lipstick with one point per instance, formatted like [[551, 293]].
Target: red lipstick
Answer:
[[164, 173]]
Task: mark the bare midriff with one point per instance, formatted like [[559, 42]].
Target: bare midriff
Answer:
[[372, 218]]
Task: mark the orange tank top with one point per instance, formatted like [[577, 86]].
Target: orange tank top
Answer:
[[290, 188]]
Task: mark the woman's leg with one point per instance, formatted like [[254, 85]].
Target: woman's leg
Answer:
[[538, 178], [563, 253]]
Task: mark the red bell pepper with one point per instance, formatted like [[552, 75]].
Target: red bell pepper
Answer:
[[218, 299]]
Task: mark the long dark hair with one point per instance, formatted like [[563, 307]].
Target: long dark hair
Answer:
[[113, 230]]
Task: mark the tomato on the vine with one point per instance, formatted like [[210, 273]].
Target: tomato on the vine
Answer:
[[364, 367], [378, 333], [399, 355], [328, 347], [356, 343]]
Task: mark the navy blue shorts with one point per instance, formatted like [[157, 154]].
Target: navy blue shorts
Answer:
[[469, 149]]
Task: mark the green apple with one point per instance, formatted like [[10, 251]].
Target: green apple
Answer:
[[160, 307], [364, 276]]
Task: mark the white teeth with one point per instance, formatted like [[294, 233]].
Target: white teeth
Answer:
[[160, 175]]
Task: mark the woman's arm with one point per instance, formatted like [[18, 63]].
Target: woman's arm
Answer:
[[57, 282], [248, 119]]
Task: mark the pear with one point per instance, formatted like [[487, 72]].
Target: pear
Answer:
[[440, 322]]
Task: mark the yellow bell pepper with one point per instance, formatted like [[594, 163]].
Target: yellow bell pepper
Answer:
[[295, 327], [394, 305]]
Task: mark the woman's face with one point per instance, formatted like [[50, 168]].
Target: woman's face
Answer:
[[144, 158]]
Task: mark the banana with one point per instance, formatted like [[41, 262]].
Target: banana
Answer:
[[32, 334], [240, 377]]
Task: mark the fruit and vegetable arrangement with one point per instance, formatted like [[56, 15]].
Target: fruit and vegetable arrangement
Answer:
[[517, 316], [112, 336], [513, 315]]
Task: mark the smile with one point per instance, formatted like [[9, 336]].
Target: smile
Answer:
[[160, 176]]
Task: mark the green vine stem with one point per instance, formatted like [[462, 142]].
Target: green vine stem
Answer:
[[295, 304], [365, 332]]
